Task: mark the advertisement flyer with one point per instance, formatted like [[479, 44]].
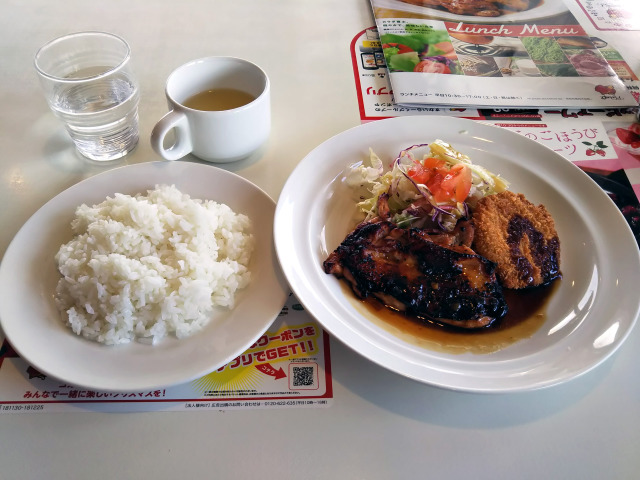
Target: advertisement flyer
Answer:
[[289, 366], [465, 54]]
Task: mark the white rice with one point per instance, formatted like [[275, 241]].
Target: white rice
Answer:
[[143, 267]]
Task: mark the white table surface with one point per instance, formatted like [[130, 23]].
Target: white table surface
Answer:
[[380, 425]]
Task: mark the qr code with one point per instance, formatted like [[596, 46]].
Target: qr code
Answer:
[[303, 376]]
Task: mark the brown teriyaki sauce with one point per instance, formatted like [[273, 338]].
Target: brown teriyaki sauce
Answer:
[[527, 313]]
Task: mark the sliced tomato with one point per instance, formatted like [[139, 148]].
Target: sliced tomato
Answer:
[[422, 172], [455, 185], [446, 185], [433, 162], [418, 173], [434, 185], [428, 66]]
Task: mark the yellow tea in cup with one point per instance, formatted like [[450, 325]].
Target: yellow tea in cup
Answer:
[[220, 110], [218, 99]]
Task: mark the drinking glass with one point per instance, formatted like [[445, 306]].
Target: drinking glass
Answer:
[[88, 83]]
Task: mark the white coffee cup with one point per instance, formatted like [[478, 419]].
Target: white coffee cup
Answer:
[[214, 135]]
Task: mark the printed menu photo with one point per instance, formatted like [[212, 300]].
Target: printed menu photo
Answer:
[[514, 53]]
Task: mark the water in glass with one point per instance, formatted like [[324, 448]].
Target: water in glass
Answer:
[[102, 115]]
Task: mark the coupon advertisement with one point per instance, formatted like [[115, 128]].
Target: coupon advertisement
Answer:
[[289, 366]]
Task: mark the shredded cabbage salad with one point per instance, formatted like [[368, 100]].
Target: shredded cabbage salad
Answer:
[[432, 192]]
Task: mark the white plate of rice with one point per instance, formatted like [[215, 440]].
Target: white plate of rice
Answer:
[[195, 335]]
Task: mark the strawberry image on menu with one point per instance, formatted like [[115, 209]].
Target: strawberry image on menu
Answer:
[[626, 139], [597, 148], [630, 135]]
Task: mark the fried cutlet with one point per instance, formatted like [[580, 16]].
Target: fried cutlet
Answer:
[[520, 237]]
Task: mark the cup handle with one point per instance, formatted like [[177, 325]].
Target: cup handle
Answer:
[[182, 146]]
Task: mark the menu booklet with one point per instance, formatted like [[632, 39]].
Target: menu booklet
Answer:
[[509, 53]]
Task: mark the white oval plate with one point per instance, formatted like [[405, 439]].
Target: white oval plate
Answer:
[[28, 278], [588, 316], [544, 10]]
